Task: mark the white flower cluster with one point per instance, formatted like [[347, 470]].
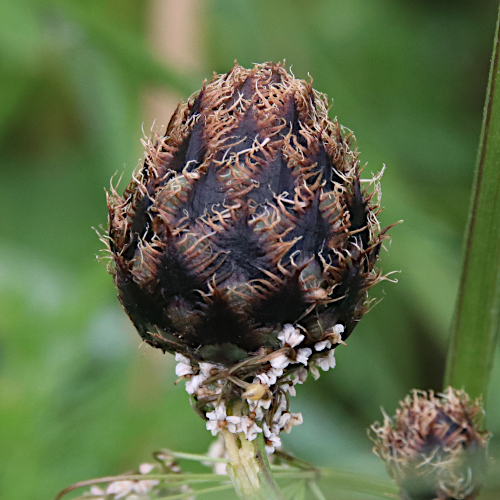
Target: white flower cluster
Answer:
[[144, 489], [269, 389], [194, 382], [128, 490]]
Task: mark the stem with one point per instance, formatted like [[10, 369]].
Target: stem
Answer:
[[249, 469], [477, 316]]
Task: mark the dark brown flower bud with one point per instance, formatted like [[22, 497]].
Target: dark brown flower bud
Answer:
[[434, 447], [247, 215]]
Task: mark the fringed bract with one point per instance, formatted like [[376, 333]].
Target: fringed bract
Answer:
[[247, 214]]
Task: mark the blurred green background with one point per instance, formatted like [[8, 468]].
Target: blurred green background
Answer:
[[79, 396]]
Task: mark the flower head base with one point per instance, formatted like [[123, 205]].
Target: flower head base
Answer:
[[434, 446], [226, 399]]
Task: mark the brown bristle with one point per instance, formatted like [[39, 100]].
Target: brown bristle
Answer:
[[246, 215]]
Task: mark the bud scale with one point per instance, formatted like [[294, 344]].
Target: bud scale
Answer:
[[248, 214]]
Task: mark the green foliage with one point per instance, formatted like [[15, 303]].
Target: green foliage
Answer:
[[80, 399], [477, 318]]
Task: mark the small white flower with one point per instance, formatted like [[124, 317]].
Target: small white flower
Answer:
[[258, 407], [290, 336], [276, 418], [327, 362], [219, 413], [272, 442], [270, 376], [250, 428], [194, 384], [290, 389], [276, 429], [264, 379], [95, 490], [214, 417], [336, 335], [303, 355], [213, 427], [145, 486], [182, 359], [233, 424], [300, 375], [120, 488], [269, 449], [325, 344], [182, 369], [314, 372], [219, 468], [146, 468], [295, 419], [280, 362], [279, 411], [266, 430], [206, 368], [339, 329], [282, 422]]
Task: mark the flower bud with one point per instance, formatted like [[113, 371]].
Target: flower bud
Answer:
[[434, 447], [247, 215]]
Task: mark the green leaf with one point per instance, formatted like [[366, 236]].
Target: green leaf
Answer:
[[348, 481], [476, 321]]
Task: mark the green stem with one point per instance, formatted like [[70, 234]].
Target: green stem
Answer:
[[249, 469], [477, 316]]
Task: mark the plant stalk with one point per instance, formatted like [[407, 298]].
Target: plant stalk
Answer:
[[248, 468], [477, 317]]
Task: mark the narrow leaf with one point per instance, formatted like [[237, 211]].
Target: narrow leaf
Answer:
[[476, 321]]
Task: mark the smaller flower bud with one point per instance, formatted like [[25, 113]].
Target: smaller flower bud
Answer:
[[254, 392], [434, 447]]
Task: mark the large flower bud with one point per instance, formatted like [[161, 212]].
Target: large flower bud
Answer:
[[247, 215]]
